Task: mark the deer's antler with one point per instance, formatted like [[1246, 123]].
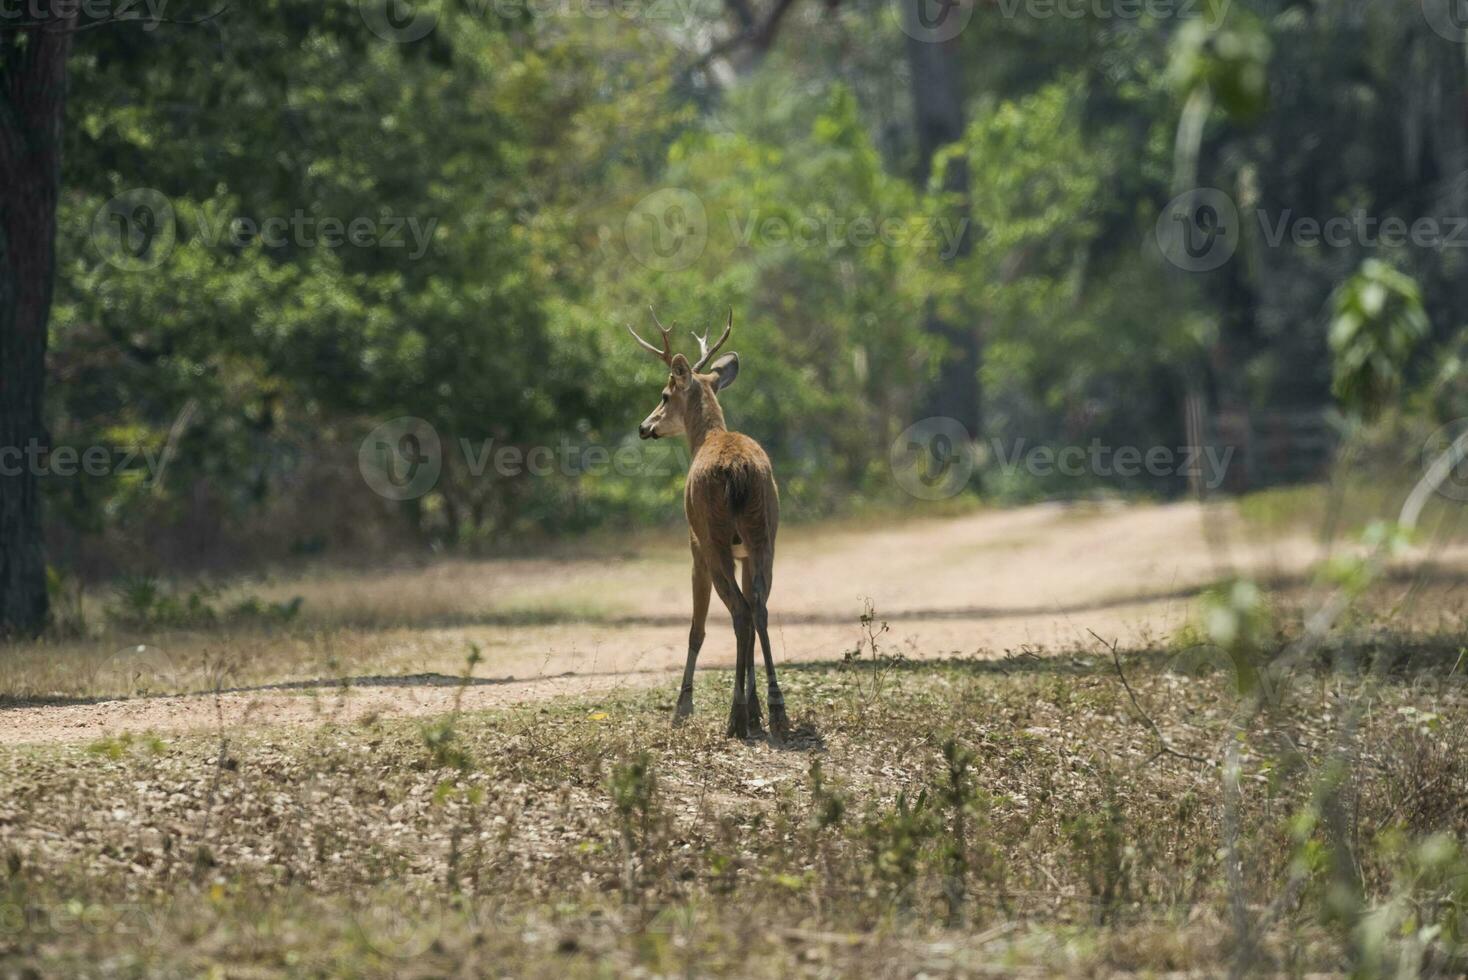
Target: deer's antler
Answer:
[[705, 352], [666, 354]]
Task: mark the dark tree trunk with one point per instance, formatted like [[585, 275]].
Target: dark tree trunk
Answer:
[[937, 95], [32, 98]]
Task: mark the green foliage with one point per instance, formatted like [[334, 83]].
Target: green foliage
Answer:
[[1239, 623], [828, 807], [1377, 323], [817, 249], [64, 591], [446, 750], [146, 602], [634, 795], [116, 747], [519, 150], [1098, 839], [1229, 58], [633, 785], [897, 838]]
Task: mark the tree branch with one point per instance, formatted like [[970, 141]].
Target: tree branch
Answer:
[[759, 36], [1164, 746]]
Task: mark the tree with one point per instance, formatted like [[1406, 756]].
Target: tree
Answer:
[[32, 102], [938, 117]]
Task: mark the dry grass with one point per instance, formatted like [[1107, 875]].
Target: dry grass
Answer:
[[1008, 815], [584, 838]]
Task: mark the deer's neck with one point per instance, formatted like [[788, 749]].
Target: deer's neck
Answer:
[[702, 416]]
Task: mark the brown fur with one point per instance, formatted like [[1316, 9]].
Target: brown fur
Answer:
[[730, 500]]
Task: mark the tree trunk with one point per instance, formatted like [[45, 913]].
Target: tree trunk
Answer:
[[937, 95], [32, 98]]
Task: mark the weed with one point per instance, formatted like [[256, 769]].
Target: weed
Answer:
[[1098, 840], [633, 788], [870, 660], [145, 602], [896, 839], [68, 616], [115, 747], [957, 793]]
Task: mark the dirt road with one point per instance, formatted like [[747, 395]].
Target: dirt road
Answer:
[[1038, 578]]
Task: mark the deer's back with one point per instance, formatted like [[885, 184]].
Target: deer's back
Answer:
[[731, 489]]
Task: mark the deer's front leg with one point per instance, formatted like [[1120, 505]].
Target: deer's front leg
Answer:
[[702, 584]]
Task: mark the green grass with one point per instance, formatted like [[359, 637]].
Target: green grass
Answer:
[[1343, 510]]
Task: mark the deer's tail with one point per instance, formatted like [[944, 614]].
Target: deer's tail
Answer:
[[737, 485]]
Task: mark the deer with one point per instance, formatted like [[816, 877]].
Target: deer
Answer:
[[733, 510]]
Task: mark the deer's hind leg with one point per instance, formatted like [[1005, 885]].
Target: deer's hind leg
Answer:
[[751, 694], [702, 584], [758, 573], [721, 570]]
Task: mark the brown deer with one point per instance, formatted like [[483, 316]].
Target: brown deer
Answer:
[[733, 510]]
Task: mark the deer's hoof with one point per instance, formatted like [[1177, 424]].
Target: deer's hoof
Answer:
[[779, 723], [738, 722], [756, 723]]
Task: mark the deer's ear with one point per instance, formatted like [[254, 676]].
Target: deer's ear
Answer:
[[725, 370], [682, 370]]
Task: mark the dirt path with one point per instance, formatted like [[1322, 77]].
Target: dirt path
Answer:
[[1038, 578]]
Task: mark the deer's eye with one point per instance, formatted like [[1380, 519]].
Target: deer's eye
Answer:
[[664, 399]]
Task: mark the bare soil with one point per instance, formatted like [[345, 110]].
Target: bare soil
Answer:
[[381, 644]]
